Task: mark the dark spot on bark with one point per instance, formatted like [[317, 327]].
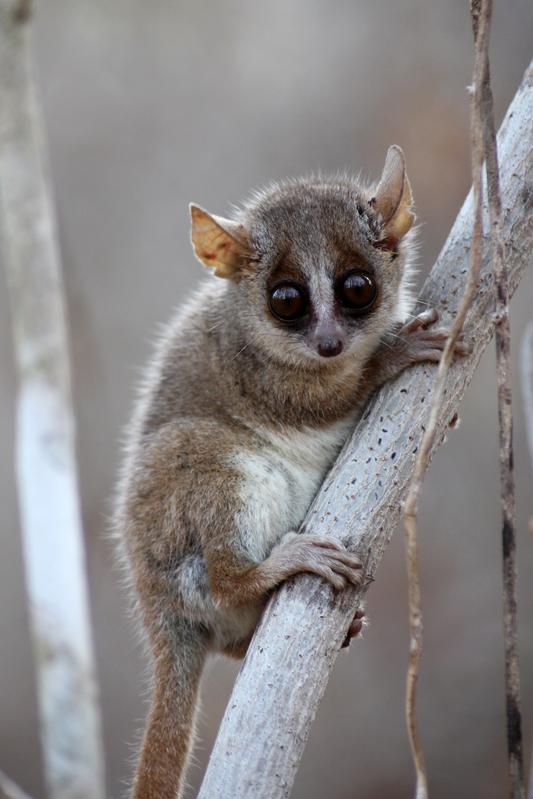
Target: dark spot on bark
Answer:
[[514, 728], [508, 542], [527, 196]]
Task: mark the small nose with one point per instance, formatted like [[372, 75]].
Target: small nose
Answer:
[[329, 347]]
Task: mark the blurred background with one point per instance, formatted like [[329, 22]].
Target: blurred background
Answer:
[[152, 105]]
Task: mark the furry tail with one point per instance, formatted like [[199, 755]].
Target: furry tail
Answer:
[[169, 730]]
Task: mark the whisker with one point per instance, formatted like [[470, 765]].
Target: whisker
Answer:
[[241, 350], [393, 335]]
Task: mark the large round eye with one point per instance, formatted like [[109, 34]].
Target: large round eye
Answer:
[[288, 302], [357, 291]]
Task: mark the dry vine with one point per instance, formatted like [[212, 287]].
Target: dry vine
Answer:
[[428, 441], [483, 146], [481, 10]]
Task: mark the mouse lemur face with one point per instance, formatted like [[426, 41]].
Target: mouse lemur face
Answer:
[[321, 288], [323, 308], [318, 266]]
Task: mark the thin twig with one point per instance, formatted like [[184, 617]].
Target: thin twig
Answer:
[[481, 10], [428, 441]]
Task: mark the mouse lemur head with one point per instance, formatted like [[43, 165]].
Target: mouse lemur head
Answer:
[[317, 268]]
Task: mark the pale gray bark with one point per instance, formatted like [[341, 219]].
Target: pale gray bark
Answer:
[[274, 701], [54, 560]]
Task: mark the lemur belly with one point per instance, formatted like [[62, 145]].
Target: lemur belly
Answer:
[[279, 480]]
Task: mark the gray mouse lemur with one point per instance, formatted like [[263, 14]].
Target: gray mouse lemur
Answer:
[[253, 390]]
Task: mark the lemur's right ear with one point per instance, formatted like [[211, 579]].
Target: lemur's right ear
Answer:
[[393, 198], [218, 243]]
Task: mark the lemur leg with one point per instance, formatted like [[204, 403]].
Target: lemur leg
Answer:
[[238, 650]]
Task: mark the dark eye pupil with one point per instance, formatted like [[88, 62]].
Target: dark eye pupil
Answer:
[[288, 302], [358, 291]]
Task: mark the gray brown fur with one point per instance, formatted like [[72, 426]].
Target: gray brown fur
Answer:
[[239, 421]]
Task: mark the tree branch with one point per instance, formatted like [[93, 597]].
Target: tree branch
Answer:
[[304, 625], [52, 537]]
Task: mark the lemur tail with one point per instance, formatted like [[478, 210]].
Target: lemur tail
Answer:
[[169, 732]]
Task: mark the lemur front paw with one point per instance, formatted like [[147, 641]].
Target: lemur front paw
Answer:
[[322, 556], [416, 342]]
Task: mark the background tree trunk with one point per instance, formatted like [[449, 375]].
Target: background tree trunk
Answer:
[[70, 725]]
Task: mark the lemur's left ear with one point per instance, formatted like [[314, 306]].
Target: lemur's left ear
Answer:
[[218, 243], [393, 199]]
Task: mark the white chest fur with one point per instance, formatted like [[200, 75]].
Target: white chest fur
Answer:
[[280, 479]]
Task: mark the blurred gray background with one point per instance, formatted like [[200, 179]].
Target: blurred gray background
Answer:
[[151, 105]]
